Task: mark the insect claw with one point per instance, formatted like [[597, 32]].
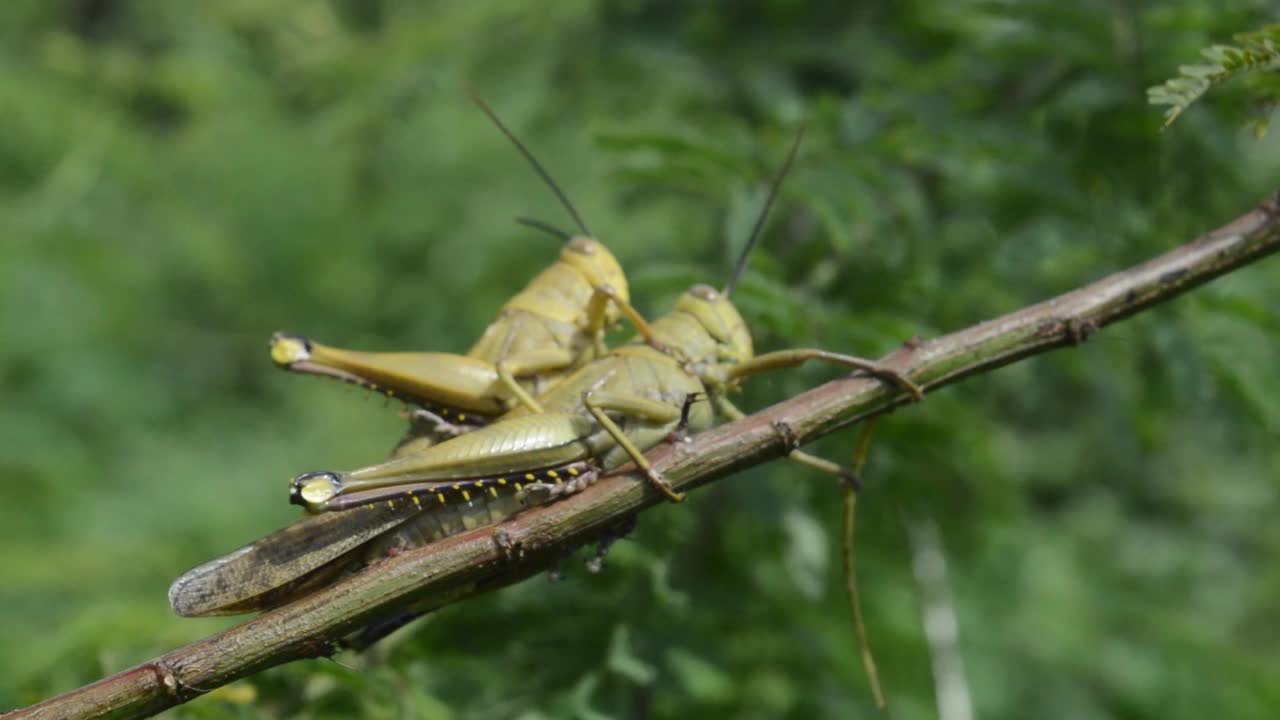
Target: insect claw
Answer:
[[902, 381], [511, 549], [788, 436], [661, 484]]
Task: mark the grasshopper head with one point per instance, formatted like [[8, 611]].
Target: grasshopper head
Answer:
[[727, 338], [598, 266]]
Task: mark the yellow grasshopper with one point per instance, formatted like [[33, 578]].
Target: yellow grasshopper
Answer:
[[603, 415], [555, 324]]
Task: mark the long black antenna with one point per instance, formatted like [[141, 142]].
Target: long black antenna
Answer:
[[545, 227], [537, 166], [764, 212]]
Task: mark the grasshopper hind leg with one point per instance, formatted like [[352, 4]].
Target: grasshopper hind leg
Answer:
[[560, 484]]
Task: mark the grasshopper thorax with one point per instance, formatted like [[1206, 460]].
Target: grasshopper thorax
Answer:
[[564, 290]]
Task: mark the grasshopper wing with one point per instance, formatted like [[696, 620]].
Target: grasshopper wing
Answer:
[[242, 580]]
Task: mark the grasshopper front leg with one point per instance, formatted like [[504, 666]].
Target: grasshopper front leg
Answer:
[[601, 297], [798, 356]]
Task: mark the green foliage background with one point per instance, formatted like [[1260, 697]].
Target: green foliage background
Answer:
[[178, 180]]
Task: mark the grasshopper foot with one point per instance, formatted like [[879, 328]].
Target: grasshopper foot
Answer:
[[661, 484], [511, 550], [893, 377]]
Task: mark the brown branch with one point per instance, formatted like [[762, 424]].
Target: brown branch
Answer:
[[473, 562]]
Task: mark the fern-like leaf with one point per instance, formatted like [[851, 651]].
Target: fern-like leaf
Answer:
[[1257, 52]]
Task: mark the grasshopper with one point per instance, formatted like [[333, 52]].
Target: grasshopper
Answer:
[[603, 415], [555, 324]]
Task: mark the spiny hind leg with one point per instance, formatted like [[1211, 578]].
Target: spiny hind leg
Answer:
[[597, 403], [567, 482]]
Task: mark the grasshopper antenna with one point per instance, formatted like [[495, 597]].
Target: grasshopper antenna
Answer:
[[764, 212], [544, 227], [537, 166]]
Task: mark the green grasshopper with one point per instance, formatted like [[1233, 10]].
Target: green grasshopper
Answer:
[[555, 324], [603, 415]]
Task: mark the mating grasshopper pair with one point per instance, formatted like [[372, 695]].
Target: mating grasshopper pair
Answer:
[[560, 411]]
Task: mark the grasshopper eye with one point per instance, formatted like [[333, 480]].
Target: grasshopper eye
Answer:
[[704, 292], [582, 245]]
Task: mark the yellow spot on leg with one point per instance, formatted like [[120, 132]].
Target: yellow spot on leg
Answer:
[[440, 497]]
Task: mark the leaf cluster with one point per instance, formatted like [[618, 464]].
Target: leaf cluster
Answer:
[[1257, 52]]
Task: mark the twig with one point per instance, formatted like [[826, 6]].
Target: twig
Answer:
[[446, 571], [850, 575]]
